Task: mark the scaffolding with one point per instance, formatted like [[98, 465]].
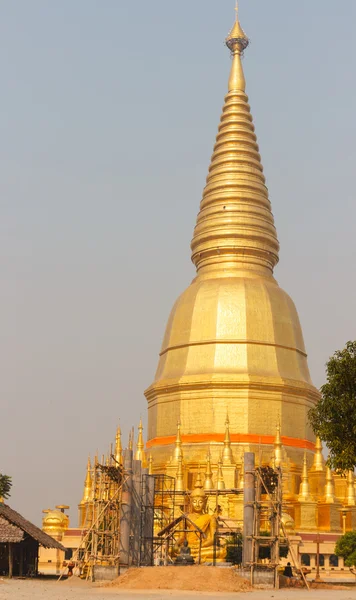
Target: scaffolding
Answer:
[[158, 508], [268, 528], [102, 541]]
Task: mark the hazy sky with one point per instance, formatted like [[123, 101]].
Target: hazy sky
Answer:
[[108, 115]]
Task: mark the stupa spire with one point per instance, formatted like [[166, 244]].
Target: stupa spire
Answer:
[[180, 476], [227, 452], [208, 483], [178, 451], [118, 447], [329, 487], [131, 436], [88, 484], [235, 226], [318, 464], [304, 491], [140, 445]]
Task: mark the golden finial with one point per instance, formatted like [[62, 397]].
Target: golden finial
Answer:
[[220, 481], [351, 500], [178, 451], [180, 476], [318, 464], [278, 447], [227, 452], [118, 446], [237, 42], [329, 487], [208, 483], [304, 490], [150, 465], [140, 446]]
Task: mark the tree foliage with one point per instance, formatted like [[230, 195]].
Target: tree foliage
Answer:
[[346, 547], [5, 486], [334, 417]]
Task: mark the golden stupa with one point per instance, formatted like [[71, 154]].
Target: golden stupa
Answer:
[[233, 343], [232, 375]]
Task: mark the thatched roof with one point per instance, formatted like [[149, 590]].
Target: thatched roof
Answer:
[[9, 532], [12, 524]]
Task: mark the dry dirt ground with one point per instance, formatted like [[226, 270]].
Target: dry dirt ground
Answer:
[[78, 590], [194, 579]]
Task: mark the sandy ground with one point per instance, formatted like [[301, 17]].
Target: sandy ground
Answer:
[[195, 579], [78, 590]]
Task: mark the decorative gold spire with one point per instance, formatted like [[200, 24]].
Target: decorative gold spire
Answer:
[[118, 447], [329, 487], [304, 491], [351, 499], [131, 440], [278, 447], [227, 452], [208, 483], [88, 484], [220, 479], [150, 465], [180, 476], [140, 446], [318, 465], [178, 451], [235, 227]]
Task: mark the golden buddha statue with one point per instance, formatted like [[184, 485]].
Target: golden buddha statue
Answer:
[[207, 524]]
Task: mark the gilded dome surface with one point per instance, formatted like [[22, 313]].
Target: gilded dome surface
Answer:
[[55, 520], [244, 327]]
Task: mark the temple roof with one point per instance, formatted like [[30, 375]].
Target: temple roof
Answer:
[[14, 525]]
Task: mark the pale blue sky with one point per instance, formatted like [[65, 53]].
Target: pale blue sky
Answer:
[[108, 115]]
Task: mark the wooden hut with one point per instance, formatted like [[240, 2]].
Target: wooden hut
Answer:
[[19, 543]]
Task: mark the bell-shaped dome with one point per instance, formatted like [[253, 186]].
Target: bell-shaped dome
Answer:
[[55, 522]]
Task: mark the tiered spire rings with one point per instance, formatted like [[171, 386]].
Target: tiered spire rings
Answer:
[[235, 226]]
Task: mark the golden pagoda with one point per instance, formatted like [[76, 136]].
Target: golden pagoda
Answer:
[[232, 375], [233, 343]]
